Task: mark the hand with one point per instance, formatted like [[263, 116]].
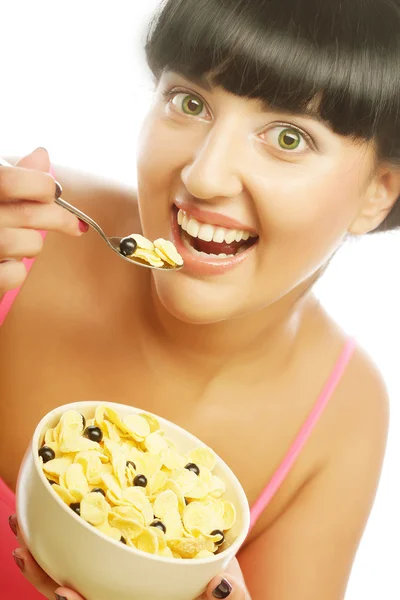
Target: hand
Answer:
[[27, 194], [229, 584]]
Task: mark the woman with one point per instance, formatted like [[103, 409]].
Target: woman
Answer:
[[275, 134]]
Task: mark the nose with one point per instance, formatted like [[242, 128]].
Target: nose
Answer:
[[214, 171]]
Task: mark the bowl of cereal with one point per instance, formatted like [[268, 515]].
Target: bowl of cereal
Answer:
[[118, 503]]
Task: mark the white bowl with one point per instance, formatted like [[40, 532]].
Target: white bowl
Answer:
[[76, 555]]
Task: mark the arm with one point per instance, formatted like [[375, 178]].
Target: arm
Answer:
[[308, 553]]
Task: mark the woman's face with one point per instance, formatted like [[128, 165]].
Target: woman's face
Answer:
[[237, 170]]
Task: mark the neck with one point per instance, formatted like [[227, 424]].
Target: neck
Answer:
[[270, 334]]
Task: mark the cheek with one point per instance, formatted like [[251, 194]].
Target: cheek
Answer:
[[304, 220], [154, 179], [151, 156], [304, 202]]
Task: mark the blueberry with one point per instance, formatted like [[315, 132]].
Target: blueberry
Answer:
[[194, 468], [218, 532], [131, 464], [159, 525], [46, 453], [99, 490], [123, 540], [140, 480], [83, 421], [127, 246], [94, 434], [76, 507]]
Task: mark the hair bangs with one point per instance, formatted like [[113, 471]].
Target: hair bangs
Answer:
[[334, 60]]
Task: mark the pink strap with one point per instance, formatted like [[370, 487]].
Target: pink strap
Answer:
[[305, 432], [8, 299]]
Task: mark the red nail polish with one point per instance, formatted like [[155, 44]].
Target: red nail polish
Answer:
[[58, 189], [83, 226], [19, 562], [13, 525]]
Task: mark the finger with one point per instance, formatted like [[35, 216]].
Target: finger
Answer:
[[13, 522], [12, 275], [33, 215], [225, 586], [34, 574], [18, 183], [20, 243], [63, 593], [39, 159]]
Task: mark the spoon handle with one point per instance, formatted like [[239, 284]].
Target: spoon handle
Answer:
[[75, 211], [78, 213]]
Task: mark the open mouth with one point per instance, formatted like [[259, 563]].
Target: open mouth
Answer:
[[212, 241]]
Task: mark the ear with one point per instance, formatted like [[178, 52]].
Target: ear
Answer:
[[380, 196]]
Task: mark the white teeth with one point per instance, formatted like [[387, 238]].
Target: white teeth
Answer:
[[231, 235], [219, 235], [193, 228], [185, 222], [242, 235], [208, 232]]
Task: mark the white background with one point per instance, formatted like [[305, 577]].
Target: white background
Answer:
[[73, 79]]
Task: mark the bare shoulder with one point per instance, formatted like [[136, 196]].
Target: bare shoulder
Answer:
[[92, 191], [364, 403], [310, 548], [360, 435], [357, 424]]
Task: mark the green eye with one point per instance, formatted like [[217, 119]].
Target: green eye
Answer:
[[191, 105], [289, 139]]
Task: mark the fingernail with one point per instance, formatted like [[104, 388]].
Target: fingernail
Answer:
[[60, 597], [12, 524], [83, 226], [19, 562], [58, 189], [223, 590]]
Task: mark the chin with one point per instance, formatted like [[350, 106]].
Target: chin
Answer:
[[195, 303]]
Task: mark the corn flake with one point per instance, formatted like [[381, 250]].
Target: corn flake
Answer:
[[167, 252], [147, 541], [94, 508], [135, 475], [203, 457]]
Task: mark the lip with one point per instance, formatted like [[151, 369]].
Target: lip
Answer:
[[213, 218], [200, 265]]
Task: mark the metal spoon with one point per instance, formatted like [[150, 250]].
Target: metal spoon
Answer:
[[112, 242]]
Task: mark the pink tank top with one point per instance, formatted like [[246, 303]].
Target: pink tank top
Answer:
[[12, 584]]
